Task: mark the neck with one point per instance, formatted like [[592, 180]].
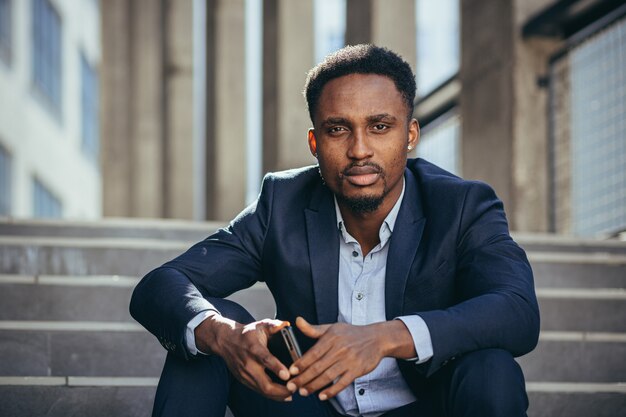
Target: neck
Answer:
[[365, 227]]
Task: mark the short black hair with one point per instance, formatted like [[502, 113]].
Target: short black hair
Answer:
[[360, 59]]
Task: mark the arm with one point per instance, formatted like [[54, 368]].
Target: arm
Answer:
[[497, 305], [168, 298]]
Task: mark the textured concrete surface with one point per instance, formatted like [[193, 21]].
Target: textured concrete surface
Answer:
[[29, 401]]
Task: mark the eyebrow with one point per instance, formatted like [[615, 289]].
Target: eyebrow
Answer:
[[383, 117], [335, 121]]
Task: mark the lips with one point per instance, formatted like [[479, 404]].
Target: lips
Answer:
[[362, 176]]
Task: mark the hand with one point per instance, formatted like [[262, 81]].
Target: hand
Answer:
[[342, 353], [244, 349]]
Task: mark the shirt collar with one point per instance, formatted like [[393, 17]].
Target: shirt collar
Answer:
[[385, 229]]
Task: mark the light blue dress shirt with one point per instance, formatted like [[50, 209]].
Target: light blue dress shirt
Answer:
[[361, 295]]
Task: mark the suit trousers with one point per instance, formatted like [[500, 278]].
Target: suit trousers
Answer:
[[482, 383]]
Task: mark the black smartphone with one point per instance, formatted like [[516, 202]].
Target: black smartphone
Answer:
[[285, 347]]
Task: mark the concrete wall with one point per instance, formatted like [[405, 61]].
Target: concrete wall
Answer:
[[42, 143]]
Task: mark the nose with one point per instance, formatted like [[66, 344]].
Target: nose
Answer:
[[359, 146]]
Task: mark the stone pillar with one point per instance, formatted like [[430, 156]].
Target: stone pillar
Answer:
[[226, 162], [486, 100], [147, 108], [288, 55], [393, 26], [115, 114], [530, 122], [383, 23], [179, 161]]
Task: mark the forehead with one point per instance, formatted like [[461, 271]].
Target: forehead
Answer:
[[360, 94]]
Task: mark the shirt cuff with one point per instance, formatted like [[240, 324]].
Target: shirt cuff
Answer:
[[190, 338], [421, 337]]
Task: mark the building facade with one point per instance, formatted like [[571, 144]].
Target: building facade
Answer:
[[49, 109], [527, 95]]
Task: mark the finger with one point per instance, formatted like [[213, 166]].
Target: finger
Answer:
[[316, 370], [271, 362], [330, 392], [274, 326], [311, 330], [312, 356], [326, 377], [264, 385]]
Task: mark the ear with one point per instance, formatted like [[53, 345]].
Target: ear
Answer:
[[414, 135], [312, 142]]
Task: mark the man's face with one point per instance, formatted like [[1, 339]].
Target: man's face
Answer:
[[361, 138]]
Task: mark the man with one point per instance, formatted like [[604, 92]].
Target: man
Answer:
[[408, 293]]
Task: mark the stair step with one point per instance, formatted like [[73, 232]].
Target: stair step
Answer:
[[94, 350], [584, 270], [62, 401], [577, 356], [133, 397], [163, 229], [579, 404], [93, 298], [83, 256], [535, 242], [596, 310]]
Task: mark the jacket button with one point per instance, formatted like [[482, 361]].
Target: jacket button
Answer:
[[361, 391]]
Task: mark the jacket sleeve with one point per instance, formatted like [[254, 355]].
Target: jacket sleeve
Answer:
[[497, 306], [167, 298]]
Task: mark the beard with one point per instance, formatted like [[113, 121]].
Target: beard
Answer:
[[363, 204]]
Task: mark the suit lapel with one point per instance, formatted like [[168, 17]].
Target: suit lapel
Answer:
[[403, 247], [321, 225]]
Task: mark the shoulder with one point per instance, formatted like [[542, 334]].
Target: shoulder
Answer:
[[437, 182]]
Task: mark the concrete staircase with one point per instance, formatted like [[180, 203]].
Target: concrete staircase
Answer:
[[69, 347]]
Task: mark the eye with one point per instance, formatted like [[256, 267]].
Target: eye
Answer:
[[380, 127], [336, 129]]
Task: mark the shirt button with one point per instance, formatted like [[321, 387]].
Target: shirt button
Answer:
[[359, 296], [355, 253], [361, 391]]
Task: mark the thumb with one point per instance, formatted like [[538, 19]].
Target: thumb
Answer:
[[311, 330]]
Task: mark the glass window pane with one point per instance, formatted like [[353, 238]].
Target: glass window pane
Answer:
[[329, 26], [598, 128], [438, 57], [439, 142], [47, 50], [5, 30], [5, 183], [45, 203], [89, 110]]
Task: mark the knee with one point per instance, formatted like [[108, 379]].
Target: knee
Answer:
[[232, 310], [492, 381]]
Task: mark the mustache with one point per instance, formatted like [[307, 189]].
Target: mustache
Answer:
[[362, 168]]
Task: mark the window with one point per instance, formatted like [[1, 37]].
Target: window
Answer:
[[47, 51], [588, 118], [439, 142], [45, 204], [438, 58], [89, 110], [329, 27], [5, 183], [5, 31]]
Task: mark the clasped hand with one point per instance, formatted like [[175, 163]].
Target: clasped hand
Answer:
[[342, 353]]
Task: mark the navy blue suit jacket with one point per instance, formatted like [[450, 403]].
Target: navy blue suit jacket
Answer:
[[451, 260]]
